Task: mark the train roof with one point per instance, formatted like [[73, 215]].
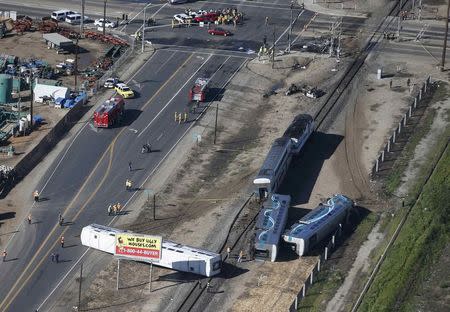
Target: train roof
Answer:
[[188, 250], [103, 228], [298, 126], [319, 216], [274, 156], [272, 220]]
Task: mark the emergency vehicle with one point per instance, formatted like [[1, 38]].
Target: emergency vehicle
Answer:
[[199, 91], [109, 113]]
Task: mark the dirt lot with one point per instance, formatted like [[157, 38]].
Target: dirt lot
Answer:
[[89, 51]]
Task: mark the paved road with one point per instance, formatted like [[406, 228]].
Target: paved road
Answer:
[[91, 171]]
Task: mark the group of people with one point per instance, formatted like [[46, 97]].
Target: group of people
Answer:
[[114, 209]]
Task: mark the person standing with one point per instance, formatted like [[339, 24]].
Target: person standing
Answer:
[[57, 257], [109, 209], [36, 196], [130, 167], [241, 255], [29, 218], [62, 241], [5, 253], [53, 256], [119, 207], [114, 209], [228, 251]]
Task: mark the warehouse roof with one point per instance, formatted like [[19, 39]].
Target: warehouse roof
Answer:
[[57, 39]]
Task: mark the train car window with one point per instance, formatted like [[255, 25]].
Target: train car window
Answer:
[[112, 234], [180, 251]]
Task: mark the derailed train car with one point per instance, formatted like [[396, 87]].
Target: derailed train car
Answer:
[[173, 255], [318, 224], [270, 225], [277, 161]]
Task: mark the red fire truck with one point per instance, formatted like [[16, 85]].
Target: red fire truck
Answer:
[[198, 92], [109, 113]]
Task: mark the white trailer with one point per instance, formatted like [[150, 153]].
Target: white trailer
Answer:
[[42, 91], [173, 255]]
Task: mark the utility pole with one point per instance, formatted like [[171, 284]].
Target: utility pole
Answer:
[[79, 288], [154, 206], [143, 31], [75, 70], [399, 23], [444, 50], [104, 16], [31, 100], [215, 123], [82, 17], [273, 48], [290, 27]]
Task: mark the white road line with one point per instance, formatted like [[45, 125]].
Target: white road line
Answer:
[[179, 90], [160, 136], [172, 47], [62, 158], [59, 283], [142, 184]]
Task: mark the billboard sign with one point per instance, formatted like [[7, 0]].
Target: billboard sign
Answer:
[[138, 246]]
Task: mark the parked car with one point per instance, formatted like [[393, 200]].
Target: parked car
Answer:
[[177, 1], [61, 15], [123, 90], [208, 17], [111, 83], [219, 32], [75, 18], [181, 17], [108, 23]]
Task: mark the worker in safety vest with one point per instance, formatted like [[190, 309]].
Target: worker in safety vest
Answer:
[[36, 196], [128, 184]]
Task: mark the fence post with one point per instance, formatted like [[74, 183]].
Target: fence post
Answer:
[[399, 127], [389, 145], [425, 87], [296, 302], [318, 265], [410, 111], [326, 248], [404, 120], [304, 290], [393, 136], [420, 94], [333, 238], [376, 170], [415, 102], [382, 160], [311, 277]]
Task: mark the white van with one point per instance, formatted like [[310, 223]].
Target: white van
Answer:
[[177, 1], [61, 15], [75, 18]]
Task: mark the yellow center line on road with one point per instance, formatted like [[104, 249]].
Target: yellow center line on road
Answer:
[[167, 81], [4, 305]]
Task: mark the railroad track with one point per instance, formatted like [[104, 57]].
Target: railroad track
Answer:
[[336, 94], [199, 287]]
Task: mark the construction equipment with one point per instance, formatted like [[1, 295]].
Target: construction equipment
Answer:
[[109, 113], [311, 92], [199, 91]]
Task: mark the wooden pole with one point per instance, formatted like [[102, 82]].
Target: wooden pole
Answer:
[[79, 288]]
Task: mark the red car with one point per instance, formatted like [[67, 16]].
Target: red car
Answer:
[[208, 17], [219, 32]]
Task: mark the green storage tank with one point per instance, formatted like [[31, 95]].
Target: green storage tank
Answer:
[[6, 84]]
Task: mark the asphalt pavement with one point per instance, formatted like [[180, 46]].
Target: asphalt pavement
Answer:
[[91, 172]]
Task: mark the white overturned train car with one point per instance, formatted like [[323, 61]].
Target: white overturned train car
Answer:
[[318, 224], [270, 225], [277, 161], [173, 255]]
